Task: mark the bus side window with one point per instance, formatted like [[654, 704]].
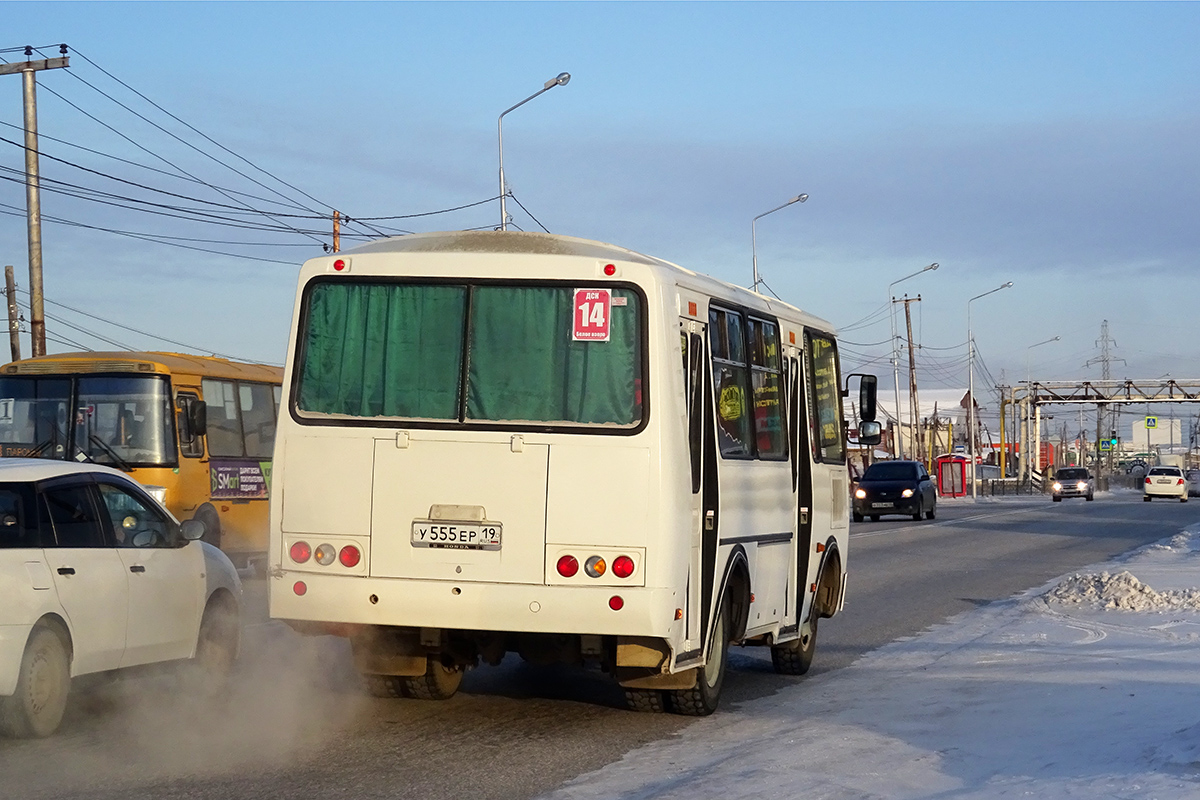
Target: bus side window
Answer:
[[224, 422], [190, 444]]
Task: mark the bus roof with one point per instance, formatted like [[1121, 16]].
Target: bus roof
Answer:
[[126, 361], [521, 242]]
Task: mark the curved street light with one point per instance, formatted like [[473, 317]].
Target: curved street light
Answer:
[[800, 198], [896, 355], [971, 388], [562, 79]]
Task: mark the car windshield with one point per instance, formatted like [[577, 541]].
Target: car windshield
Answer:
[[890, 471], [1072, 475]]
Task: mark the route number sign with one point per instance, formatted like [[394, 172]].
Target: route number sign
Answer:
[[593, 308]]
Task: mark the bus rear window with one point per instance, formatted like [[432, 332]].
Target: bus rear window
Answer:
[[467, 354]]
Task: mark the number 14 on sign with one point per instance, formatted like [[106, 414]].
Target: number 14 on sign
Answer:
[[591, 317]]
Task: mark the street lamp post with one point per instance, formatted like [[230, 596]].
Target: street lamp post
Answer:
[[562, 80], [800, 198], [896, 355], [971, 388]]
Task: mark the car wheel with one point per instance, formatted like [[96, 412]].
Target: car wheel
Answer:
[[438, 683], [1146, 498], [1056, 499], [1183, 499], [932, 512], [36, 708], [702, 699], [874, 518], [857, 517], [795, 657], [216, 648]]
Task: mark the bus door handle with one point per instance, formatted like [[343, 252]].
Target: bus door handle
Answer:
[[66, 570], [137, 568], [803, 515], [709, 519]]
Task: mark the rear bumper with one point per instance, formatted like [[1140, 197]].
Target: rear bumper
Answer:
[[1164, 491], [475, 606]]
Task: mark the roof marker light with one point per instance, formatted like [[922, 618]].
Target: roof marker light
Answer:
[[610, 269]]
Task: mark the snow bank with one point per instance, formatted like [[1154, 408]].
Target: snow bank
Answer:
[[1121, 591]]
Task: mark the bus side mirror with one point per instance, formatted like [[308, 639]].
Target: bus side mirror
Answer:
[[866, 398], [869, 432], [199, 418]]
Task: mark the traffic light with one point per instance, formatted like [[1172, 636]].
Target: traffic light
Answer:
[[1113, 438]]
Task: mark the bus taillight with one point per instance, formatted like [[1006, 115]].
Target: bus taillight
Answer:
[[622, 567], [300, 552], [350, 556], [300, 588], [325, 554], [567, 566], [616, 603], [595, 566]]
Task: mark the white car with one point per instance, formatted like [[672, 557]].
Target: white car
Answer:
[[95, 575], [1164, 482]]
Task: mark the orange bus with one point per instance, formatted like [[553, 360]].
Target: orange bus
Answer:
[[198, 432]]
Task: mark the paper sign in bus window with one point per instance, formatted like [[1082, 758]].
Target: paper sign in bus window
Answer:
[[593, 308]]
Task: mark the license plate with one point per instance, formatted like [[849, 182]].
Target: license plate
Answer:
[[456, 535], [882, 505], [1163, 480]]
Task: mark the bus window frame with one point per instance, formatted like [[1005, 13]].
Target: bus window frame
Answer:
[[814, 419], [747, 364], [310, 419], [183, 403], [237, 384]]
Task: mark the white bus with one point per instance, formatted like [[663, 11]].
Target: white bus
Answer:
[[503, 442]]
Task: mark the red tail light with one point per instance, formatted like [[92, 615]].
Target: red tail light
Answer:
[[567, 566], [1147, 479], [349, 556], [622, 567], [616, 603], [1179, 482], [300, 588], [300, 552]]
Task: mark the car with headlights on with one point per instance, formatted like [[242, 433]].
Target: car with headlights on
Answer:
[[1072, 482], [1164, 482], [894, 487], [96, 576]]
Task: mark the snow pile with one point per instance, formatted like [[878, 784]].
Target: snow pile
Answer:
[[1121, 591]]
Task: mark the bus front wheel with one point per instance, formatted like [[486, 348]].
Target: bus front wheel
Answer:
[[212, 524], [795, 657]]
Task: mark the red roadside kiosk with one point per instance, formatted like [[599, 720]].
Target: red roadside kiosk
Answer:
[[951, 470]]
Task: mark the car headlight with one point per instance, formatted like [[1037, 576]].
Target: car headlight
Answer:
[[159, 493], [1081, 486], [860, 494], [907, 493], [1057, 486]]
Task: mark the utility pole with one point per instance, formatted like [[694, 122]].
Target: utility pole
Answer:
[[913, 413], [33, 205], [337, 231], [14, 322]]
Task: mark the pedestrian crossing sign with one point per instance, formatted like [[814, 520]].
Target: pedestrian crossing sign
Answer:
[[1151, 422]]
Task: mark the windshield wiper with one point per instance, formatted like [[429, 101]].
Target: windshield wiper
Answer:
[[120, 462]]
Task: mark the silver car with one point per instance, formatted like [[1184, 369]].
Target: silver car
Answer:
[[1072, 482]]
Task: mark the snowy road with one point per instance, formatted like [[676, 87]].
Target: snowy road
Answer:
[[519, 731]]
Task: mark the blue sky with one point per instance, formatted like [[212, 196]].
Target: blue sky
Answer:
[[1053, 145]]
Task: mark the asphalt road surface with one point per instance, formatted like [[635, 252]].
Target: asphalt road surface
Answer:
[[297, 726]]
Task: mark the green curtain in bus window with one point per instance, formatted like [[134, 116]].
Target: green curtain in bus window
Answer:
[[524, 366], [392, 350]]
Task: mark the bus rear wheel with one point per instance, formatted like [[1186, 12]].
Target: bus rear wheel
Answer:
[[702, 699], [438, 683], [795, 657], [647, 701]]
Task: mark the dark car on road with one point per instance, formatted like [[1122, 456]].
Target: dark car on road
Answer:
[[895, 487]]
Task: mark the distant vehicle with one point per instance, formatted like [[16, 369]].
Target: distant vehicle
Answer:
[[197, 432], [895, 487], [1072, 482], [1192, 476], [1165, 482], [95, 575]]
